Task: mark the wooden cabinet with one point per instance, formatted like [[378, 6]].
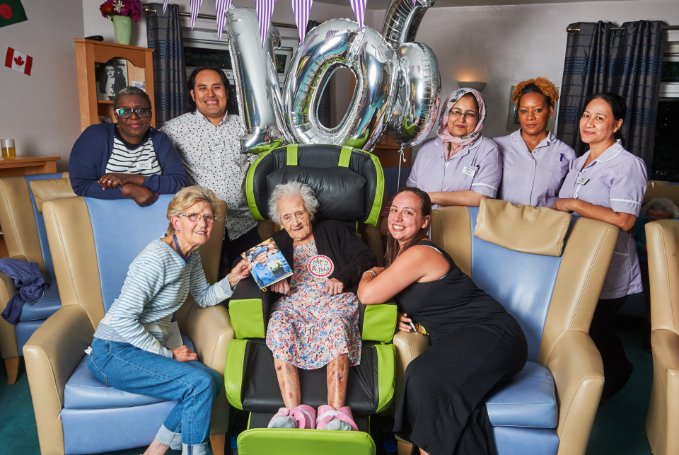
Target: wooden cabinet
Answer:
[[134, 64], [387, 150]]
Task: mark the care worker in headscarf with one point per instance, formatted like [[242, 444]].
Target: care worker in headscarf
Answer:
[[459, 166]]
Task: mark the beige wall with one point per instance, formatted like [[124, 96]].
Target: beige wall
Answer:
[[40, 111]]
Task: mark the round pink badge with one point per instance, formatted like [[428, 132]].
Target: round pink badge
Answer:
[[320, 266]]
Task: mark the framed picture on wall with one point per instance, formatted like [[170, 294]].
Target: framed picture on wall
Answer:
[[111, 77]]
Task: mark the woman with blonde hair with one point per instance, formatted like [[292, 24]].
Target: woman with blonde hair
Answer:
[[534, 161], [132, 349]]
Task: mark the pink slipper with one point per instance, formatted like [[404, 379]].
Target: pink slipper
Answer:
[[305, 416], [330, 418], [301, 416]]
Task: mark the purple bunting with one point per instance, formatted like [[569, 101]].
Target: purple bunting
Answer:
[[301, 9], [195, 6], [264, 12], [221, 6], [359, 11]]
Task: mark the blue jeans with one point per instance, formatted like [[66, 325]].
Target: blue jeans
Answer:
[[193, 385]]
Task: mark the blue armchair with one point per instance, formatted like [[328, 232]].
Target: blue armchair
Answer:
[[24, 232], [547, 269], [92, 243]]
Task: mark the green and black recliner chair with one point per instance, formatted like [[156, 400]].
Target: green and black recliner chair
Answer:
[[348, 184]]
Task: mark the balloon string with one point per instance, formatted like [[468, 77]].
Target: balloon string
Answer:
[[402, 159]]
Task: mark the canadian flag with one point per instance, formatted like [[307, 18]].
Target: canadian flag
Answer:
[[18, 61]]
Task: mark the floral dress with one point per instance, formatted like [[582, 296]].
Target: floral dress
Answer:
[[308, 327]]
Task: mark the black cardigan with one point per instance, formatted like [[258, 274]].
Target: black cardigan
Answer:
[[347, 251]]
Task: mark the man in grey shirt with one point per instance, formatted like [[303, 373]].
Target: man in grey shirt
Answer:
[[208, 142]]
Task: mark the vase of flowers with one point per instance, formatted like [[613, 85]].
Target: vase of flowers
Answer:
[[122, 14]]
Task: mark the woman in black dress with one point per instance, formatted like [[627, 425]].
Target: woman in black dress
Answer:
[[475, 343]]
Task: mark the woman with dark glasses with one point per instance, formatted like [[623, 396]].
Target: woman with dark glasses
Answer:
[[128, 159]]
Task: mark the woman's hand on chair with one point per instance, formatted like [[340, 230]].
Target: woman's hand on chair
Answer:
[[184, 354], [405, 324]]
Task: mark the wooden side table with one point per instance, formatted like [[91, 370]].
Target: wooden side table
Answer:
[[27, 165]]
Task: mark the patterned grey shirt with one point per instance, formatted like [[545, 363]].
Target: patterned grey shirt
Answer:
[[213, 158]]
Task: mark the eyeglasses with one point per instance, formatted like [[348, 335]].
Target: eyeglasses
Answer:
[[457, 113], [126, 112], [196, 217]]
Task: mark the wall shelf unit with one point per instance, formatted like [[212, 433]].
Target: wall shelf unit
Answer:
[[134, 64]]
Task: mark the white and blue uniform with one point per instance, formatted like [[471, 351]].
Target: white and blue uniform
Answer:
[[533, 178], [617, 180]]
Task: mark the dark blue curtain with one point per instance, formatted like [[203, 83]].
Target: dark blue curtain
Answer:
[[163, 31], [627, 60]]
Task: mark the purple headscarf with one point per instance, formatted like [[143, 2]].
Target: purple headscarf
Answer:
[[444, 134]]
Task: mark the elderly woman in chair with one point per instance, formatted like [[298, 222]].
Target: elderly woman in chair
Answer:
[[315, 322], [132, 348]]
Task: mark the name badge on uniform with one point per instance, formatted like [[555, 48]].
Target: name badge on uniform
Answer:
[[581, 180], [470, 171], [321, 266], [143, 165]]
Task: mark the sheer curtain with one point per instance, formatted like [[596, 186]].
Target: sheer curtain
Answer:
[[164, 35], [627, 60]]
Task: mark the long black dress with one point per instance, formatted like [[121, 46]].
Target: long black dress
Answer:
[[475, 344]]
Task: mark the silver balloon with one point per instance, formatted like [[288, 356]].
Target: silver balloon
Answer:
[[402, 20], [341, 43], [257, 89], [417, 101]]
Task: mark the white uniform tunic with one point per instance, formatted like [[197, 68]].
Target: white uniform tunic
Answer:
[[617, 180], [533, 178]]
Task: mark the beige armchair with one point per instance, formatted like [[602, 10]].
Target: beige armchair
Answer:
[[547, 269], [92, 243], [24, 232], [662, 421]]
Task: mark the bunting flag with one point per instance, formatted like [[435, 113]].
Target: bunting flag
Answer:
[[264, 12], [359, 11], [195, 6], [414, 1], [11, 12], [18, 61], [301, 9], [221, 6]]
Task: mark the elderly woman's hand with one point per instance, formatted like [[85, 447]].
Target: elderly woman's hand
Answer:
[[184, 354], [282, 287], [334, 286], [239, 272]]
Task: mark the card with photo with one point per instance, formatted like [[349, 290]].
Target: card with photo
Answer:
[[268, 264]]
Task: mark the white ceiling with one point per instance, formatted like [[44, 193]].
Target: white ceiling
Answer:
[[382, 4]]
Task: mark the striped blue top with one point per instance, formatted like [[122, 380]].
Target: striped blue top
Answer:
[[157, 284], [139, 159]]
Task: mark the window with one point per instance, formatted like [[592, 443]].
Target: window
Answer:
[[666, 149]]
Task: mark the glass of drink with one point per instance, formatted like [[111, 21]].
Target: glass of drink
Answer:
[[8, 149]]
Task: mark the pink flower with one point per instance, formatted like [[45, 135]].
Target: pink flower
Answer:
[[130, 8]]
